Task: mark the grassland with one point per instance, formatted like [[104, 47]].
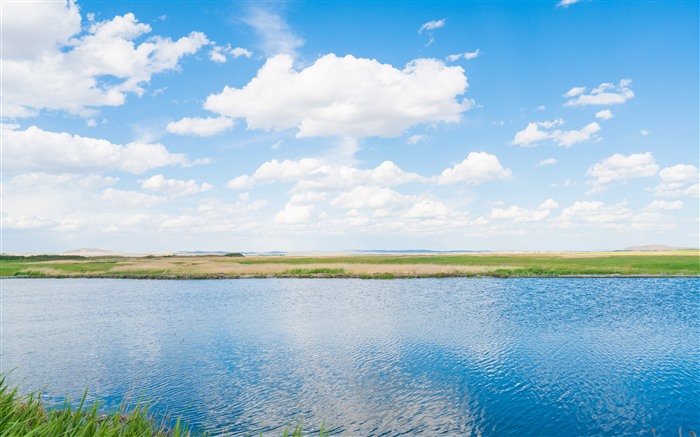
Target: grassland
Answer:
[[671, 263]]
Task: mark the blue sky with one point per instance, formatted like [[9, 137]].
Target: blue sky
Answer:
[[304, 126]]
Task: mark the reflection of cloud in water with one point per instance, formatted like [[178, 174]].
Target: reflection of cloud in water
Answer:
[[380, 378], [448, 356]]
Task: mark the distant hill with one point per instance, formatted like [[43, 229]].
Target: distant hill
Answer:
[[652, 248], [417, 251], [87, 251], [201, 252]]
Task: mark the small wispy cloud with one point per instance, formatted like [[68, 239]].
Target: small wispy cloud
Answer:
[[604, 94], [566, 3], [219, 54], [274, 32], [467, 55], [429, 27], [605, 114], [415, 139], [545, 131], [548, 161]]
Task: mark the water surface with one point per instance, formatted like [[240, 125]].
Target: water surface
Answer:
[[370, 357]]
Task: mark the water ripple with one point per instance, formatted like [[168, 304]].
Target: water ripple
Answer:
[[376, 358]]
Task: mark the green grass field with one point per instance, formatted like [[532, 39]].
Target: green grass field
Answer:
[[676, 263]]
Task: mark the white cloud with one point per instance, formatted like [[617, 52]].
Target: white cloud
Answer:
[[35, 149], [619, 217], [345, 96], [605, 114], [368, 197], [664, 205], [566, 3], [49, 63], [389, 206], [571, 137], [520, 215], [218, 53], [215, 55], [202, 127], [243, 182], [415, 139], [275, 34], [295, 214], [68, 180], [237, 52], [604, 94], [427, 208], [644, 132], [308, 198], [593, 213], [431, 25], [548, 161], [566, 138], [466, 55], [678, 180], [679, 173], [338, 177], [215, 208], [549, 204], [27, 222], [479, 167], [26, 33], [130, 199], [174, 187], [317, 174], [619, 167], [287, 170], [575, 91]]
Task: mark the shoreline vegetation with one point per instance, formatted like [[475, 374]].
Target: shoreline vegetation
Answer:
[[672, 263], [24, 415]]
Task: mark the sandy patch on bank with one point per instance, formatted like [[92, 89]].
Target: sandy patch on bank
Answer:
[[205, 267]]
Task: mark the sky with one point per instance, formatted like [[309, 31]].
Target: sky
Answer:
[[326, 126]]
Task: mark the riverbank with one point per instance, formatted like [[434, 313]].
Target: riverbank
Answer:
[[549, 264]]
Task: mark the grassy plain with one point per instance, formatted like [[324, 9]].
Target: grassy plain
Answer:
[[540, 264]]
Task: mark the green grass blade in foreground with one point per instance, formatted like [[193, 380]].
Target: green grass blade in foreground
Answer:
[[23, 416], [26, 416]]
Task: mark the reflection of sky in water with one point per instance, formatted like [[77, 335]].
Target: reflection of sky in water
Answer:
[[433, 356]]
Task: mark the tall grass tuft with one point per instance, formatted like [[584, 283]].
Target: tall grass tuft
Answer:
[[24, 416]]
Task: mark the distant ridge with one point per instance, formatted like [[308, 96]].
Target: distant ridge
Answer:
[[201, 252], [417, 251], [89, 251], [653, 248]]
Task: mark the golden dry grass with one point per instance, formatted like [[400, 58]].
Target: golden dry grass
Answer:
[[205, 266]]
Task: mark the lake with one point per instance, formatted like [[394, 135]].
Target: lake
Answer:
[[467, 356]]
